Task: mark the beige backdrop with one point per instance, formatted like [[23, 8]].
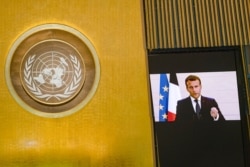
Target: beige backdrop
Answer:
[[114, 129]]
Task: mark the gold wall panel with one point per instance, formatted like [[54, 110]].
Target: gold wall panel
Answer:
[[114, 128]]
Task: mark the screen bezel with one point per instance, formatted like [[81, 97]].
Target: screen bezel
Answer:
[[157, 59]]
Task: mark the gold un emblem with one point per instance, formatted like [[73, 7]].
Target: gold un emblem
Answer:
[[57, 67]]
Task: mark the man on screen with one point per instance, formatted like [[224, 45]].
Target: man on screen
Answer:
[[197, 107]]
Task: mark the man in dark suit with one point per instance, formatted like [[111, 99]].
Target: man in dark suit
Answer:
[[197, 107]]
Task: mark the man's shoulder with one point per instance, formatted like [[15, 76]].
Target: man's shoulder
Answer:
[[205, 98], [184, 100]]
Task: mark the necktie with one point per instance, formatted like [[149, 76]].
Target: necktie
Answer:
[[197, 108]]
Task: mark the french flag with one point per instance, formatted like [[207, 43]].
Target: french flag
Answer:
[[165, 93]]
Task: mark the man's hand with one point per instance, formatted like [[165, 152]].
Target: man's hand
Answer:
[[214, 113]]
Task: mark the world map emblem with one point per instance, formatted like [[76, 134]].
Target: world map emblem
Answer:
[[52, 77], [52, 70]]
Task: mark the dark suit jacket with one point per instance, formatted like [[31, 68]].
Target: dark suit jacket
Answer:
[[185, 110]]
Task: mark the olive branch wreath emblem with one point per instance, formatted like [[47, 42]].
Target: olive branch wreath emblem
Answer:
[[71, 89]]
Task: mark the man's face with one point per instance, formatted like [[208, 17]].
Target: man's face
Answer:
[[194, 88]]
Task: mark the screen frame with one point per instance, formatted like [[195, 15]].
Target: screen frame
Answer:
[[155, 67]]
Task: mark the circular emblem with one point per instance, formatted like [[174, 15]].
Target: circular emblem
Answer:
[[52, 70]]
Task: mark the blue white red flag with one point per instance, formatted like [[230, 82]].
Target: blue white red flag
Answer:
[[165, 92]]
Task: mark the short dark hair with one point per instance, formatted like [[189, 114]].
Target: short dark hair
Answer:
[[192, 78]]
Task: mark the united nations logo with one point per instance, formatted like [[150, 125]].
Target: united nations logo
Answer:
[[52, 76], [52, 70]]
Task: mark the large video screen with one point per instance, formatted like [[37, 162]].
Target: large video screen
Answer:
[[215, 133], [222, 86]]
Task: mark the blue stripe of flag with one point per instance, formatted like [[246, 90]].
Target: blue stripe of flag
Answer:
[[164, 95]]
